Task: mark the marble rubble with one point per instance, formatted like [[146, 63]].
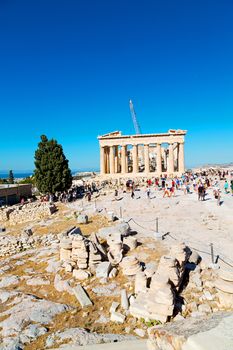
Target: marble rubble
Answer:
[[81, 253], [157, 302], [10, 244]]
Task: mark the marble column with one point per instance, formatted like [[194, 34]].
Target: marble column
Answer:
[[123, 159], [176, 157], [146, 159], [181, 158], [116, 159], [135, 159], [102, 161], [112, 160], [158, 159], [107, 160], [171, 159]]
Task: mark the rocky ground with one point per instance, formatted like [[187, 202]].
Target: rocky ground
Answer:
[[38, 308]]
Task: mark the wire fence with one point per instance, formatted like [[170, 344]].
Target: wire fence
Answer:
[[219, 256]]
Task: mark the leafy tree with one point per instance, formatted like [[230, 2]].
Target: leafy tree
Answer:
[[11, 177], [52, 172], [3, 181]]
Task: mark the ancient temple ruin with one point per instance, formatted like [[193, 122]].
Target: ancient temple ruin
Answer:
[[142, 154]]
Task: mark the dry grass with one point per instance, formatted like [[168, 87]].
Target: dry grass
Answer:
[[76, 317], [83, 318]]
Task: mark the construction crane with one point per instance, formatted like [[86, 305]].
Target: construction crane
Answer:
[[134, 117]]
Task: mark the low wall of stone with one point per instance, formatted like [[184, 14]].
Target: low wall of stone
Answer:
[[26, 212], [10, 245]]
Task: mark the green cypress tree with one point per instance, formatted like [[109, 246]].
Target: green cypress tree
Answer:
[[52, 172], [11, 177]]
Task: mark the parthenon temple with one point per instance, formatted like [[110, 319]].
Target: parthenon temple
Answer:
[[142, 154]]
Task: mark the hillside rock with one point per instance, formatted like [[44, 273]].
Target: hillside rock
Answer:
[[213, 332]]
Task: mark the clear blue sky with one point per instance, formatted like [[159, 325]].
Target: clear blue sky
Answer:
[[69, 67]]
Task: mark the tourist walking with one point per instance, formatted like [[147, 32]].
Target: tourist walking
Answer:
[[166, 192], [163, 182], [89, 196], [148, 192], [226, 186], [217, 195], [172, 191], [156, 184], [184, 188], [201, 192]]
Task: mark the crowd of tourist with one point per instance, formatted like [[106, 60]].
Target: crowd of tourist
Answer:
[[76, 192], [188, 183]]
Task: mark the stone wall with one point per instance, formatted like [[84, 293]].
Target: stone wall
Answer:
[[26, 212], [10, 245]]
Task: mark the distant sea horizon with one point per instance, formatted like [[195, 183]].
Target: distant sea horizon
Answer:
[[26, 173], [22, 174]]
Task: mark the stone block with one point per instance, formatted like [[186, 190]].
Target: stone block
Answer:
[[140, 282], [65, 254], [81, 295], [78, 244], [81, 254], [117, 317], [139, 310], [66, 244], [103, 269], [81, 274], [162, 309], [140, 332], [124, 300], [82, 265]]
